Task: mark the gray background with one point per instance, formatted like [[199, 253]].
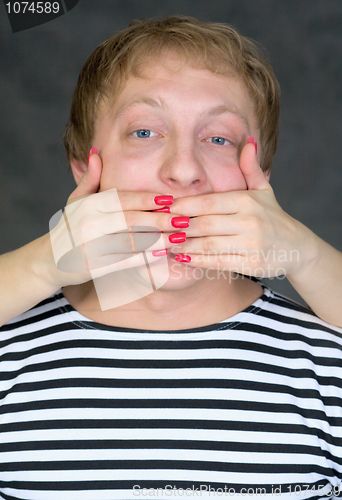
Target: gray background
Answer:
[[39, 68]]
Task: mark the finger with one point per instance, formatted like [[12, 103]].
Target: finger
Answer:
[[215, 246], [148, 201], [215, 225], [129, 264], [101, 214], [254, 176], [226, 262], [98, 224], [113, 263], [90, 182], [107, 203], [86, 259], [123, 244], [232, 263], [133, 200], [212, 203]]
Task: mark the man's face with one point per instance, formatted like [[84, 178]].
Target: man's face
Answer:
[[176, 131], [195, 123]]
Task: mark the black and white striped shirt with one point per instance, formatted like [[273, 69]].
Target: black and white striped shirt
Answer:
[[248, 406]]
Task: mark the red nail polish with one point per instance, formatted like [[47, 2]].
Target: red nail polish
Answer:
[[182, 258], [163, 200], [251, 139], [177, 238], [164, 209], [93, 151], [159, 253], [180, 221]]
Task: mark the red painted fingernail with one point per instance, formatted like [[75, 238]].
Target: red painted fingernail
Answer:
[[163, 200], [159, 253], [177, 238], [93, 151], [251, 139], [182, 258], [180, 221], [164, 209]]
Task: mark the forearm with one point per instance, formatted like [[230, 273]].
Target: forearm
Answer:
[[319, 282], [25, 278]]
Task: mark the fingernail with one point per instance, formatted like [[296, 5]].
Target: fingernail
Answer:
[[159, 253], [180, 221], [177, 238], [163, 200], [93, 151], [164, 209], [251, 139], [183, 258]]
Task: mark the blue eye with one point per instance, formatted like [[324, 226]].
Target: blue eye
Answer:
[[218, 140], [143, 133]]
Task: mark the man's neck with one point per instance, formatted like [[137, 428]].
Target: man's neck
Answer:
[[202, 304]]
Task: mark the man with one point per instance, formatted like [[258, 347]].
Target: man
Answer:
[[212, 384]]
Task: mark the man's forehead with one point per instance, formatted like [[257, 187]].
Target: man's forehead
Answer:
[[146, 89], [160, 103]]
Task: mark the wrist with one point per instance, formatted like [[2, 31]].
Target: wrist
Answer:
[[43, 266], [310, 252]]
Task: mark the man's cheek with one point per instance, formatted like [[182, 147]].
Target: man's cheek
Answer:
[[125, 176], [228, 178]]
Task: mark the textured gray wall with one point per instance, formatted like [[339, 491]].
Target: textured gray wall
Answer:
[[39, 68]]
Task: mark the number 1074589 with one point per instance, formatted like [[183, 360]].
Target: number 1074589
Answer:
[[32, 7], [320, 489]]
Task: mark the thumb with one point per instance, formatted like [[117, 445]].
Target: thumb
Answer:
[[249, 166], [90, 181]]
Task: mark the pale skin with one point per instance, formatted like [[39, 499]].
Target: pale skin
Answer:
[[195, 126]]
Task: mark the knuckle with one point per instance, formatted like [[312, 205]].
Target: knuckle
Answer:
[[252, 223], [160, 221], [208, 244], [131, 219], [86, 229], [204, 225], [123, 198], [126, 241], [245, 199], [207, 204], [251, 201]]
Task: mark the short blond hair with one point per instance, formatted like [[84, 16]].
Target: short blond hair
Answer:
[[217, 47]]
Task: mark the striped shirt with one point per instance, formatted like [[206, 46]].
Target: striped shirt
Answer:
[[247, 406]]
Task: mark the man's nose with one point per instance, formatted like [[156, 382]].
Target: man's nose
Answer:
[[182, 166]]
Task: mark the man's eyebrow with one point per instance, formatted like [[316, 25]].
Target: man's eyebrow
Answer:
[[161, 104], [222, 109], [149, 101]]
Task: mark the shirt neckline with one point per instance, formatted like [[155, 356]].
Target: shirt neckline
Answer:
[[82, 321]]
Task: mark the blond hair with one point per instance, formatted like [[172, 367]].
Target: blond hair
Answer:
[[217, 47]]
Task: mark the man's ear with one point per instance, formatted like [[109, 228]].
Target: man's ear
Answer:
[[78, 168]]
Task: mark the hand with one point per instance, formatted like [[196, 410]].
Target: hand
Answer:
[[107, 228], [246, 232]]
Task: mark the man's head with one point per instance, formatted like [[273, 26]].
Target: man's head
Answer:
[[216, 47]]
